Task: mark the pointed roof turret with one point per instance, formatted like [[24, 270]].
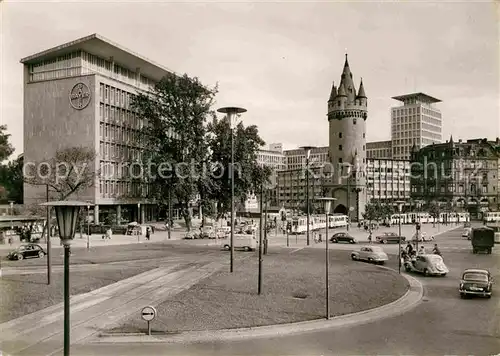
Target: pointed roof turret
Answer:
[[349, 88], [341, 91], [361, 91], [333, 93], [451, 138]]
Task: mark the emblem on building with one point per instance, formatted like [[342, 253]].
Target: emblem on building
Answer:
[[79, 96]]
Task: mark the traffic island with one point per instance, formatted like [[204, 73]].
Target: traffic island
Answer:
[[293, 291]]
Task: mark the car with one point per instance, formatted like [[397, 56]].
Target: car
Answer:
[[428, 265], [26, 251], [244, 241], [467, 233], [374, 254], [387, 237], [476, 282], [342, 237]]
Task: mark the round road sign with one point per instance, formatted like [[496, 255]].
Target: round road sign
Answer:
[[148, 313], [351, 208]]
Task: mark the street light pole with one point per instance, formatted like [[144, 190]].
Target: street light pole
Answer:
[[400, 208], [231, 113], [88, 227], [265, 222], [308, 154], [261, 203], [169, 212], [67, 216], [49, 247], [327, 204]]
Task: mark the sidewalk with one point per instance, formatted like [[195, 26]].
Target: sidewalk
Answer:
[[41, 333]]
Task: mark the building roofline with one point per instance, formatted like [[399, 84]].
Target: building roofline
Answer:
[[420, 95], [120, 53]]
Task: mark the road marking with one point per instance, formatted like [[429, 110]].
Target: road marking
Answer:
[[298, 249]]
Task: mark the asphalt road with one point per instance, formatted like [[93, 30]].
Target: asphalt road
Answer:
[[442, 324]]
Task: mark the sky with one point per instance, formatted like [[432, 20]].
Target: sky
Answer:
[[278, 59]]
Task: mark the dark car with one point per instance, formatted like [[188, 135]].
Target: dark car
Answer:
[[26, 251], [476, 282], [388, 237], [483, 240], [342, 237]]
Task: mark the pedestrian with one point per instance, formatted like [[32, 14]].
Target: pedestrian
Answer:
[[148, 236], [421, 250], [109, 232], [152, 229]]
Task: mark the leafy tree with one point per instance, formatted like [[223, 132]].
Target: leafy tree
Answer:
[[248, 175], [11, 181], [176, 111], [67, 173], [6, 148], [434, 211], [371, 211]]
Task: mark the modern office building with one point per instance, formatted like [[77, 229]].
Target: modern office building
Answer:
[[379, 150], [79, 94], [417, 122], [296, 158], [458, 174], [388, 180]]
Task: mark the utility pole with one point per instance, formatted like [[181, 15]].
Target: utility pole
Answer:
[[49, 254], [265, 223], [261, 203]]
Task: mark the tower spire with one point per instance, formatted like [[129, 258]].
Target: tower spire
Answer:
[[333, 93], [361, 91]]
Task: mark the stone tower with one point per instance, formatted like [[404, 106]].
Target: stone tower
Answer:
[[347, 113]]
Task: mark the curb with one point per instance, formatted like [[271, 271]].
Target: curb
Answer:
[[408, 301]]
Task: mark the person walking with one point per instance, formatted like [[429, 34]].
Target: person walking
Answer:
[[148, 234]]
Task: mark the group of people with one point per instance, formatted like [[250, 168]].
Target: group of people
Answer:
[[410, 251]]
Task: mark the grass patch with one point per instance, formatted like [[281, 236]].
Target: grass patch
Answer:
[[293, 290]]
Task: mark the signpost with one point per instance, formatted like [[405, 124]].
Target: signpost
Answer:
[[148, 314]]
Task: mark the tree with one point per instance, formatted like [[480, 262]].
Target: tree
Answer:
[[248, 174], [372, 211], [174, 137], [11, 181], [6, 148], [67, 173], [434, 211]]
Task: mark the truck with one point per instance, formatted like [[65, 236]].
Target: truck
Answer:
[[483, 239]]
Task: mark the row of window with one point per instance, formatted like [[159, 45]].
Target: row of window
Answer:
[[117, 152], [473, 189], [117, 189], [405, 111], [431, 128]]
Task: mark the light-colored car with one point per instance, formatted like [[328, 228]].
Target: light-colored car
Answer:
[[374, 254], [466, 233], [428, 265], [244, 241]]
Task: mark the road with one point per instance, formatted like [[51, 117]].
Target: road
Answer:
[[442, 324]]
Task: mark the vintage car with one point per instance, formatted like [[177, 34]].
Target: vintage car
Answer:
[[476, 282], [342, 237], [388, 237], [467, 233], [373, 254], [26, 251], [428, 265]]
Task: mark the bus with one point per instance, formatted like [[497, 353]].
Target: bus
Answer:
[[492, 216]]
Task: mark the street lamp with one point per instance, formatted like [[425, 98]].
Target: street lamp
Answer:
[[231, 113], [400, 204], [308, 154], [327, 203], [88, 226], [67, 215]]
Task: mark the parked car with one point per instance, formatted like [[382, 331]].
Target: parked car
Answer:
[[388, 237], [245, 241], [342, 237], [26, 251], [476, 282], [373, 254], [428, 265]]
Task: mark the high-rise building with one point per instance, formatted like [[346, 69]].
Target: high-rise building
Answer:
[[347, 114], [379, 150], [79, 94], [417, 122]]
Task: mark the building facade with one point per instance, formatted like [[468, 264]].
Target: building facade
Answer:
[[296, 158], [379, 150], [417, 122], [461, 175], [79, 94], [388, 180], [347, 114]]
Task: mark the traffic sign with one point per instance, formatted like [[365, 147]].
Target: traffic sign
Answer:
[[148, 313], [351, 208]]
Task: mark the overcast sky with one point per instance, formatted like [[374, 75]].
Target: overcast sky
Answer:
[[279, 59]]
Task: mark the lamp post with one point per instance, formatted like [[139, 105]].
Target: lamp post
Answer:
[[400, 204], [231, 113], [67, 216], [308, 155], [327, 203], [88, 226], [261, 204]]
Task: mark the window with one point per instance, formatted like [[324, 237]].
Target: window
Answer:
[[364, 135], [485, 189], [340, 134], [340, 147], [338, 103], [340, 160], [354, 121], [364, 148]]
